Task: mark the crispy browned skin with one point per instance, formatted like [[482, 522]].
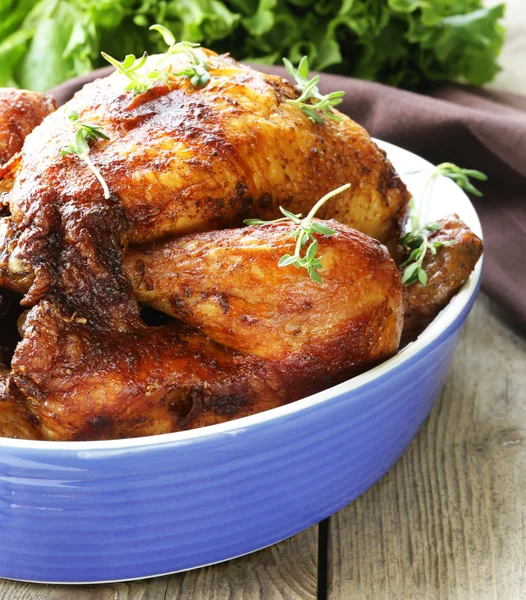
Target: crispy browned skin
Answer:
[[186, 159], [82, 384], [79, 384], [85, 385], [180, 160], [14, 421], [20, 112], [447, 272], [226, 284]]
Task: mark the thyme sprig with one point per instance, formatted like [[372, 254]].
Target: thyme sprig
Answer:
[[311, 101], [197, 70], [141, 80], [81, 133], [459, 175], [416, 241], [131, 67], [303, 233]]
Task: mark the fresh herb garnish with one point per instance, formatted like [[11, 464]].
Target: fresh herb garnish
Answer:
[[130, 67], [417, 241], [457, 174], [81, 133], [311, 102], [141, 81], [304, 233], [197, 69]]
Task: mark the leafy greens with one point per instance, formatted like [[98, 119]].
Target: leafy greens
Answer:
[[399, 42]]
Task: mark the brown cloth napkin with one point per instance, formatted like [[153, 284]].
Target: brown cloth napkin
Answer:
[[471, 128]]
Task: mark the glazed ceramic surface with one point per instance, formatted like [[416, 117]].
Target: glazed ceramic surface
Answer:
[[105, 511]]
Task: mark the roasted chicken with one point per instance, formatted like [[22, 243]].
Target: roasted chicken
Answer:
[[185, 166], [227, 285], [20, 112], [447, 270], [286, 338], [14, 419]]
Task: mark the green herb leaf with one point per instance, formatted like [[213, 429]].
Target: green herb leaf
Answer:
[[399, 42], [286, 260], [461, 176], [168, 36], [311, 101], [303, 234], [141, 81], [321, 228], [422, 277], [294, 218], [410, 273], [417, 240], [81, 133], [130, 67]]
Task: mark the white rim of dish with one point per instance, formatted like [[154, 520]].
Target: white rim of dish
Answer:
[[441, 323]]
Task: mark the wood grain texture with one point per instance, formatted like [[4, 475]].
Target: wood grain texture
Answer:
[[448, 522], [286, 571]]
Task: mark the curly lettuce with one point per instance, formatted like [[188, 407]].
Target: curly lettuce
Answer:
[[400, 42]]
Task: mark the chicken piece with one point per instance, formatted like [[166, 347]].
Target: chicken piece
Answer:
[[185, 159], [20, 112], [447, 272], [15, 274], [227, 285], [81, 383], [14, 421], [182, 159]]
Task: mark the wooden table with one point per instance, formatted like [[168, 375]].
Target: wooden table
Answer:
[[447, 522]]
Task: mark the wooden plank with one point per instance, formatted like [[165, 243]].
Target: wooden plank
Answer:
[[287, 570], [448, 522]]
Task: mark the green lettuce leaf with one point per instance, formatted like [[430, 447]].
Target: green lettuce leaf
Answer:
[[401, 42]]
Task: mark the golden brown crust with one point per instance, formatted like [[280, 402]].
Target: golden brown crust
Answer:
[[20, 112], [183, 160], [81, 385], [190, 159], [84, 384], [227, 285], [14, 420], [447, 272]]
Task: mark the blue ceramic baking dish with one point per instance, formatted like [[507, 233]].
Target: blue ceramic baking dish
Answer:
[[106, 511]]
